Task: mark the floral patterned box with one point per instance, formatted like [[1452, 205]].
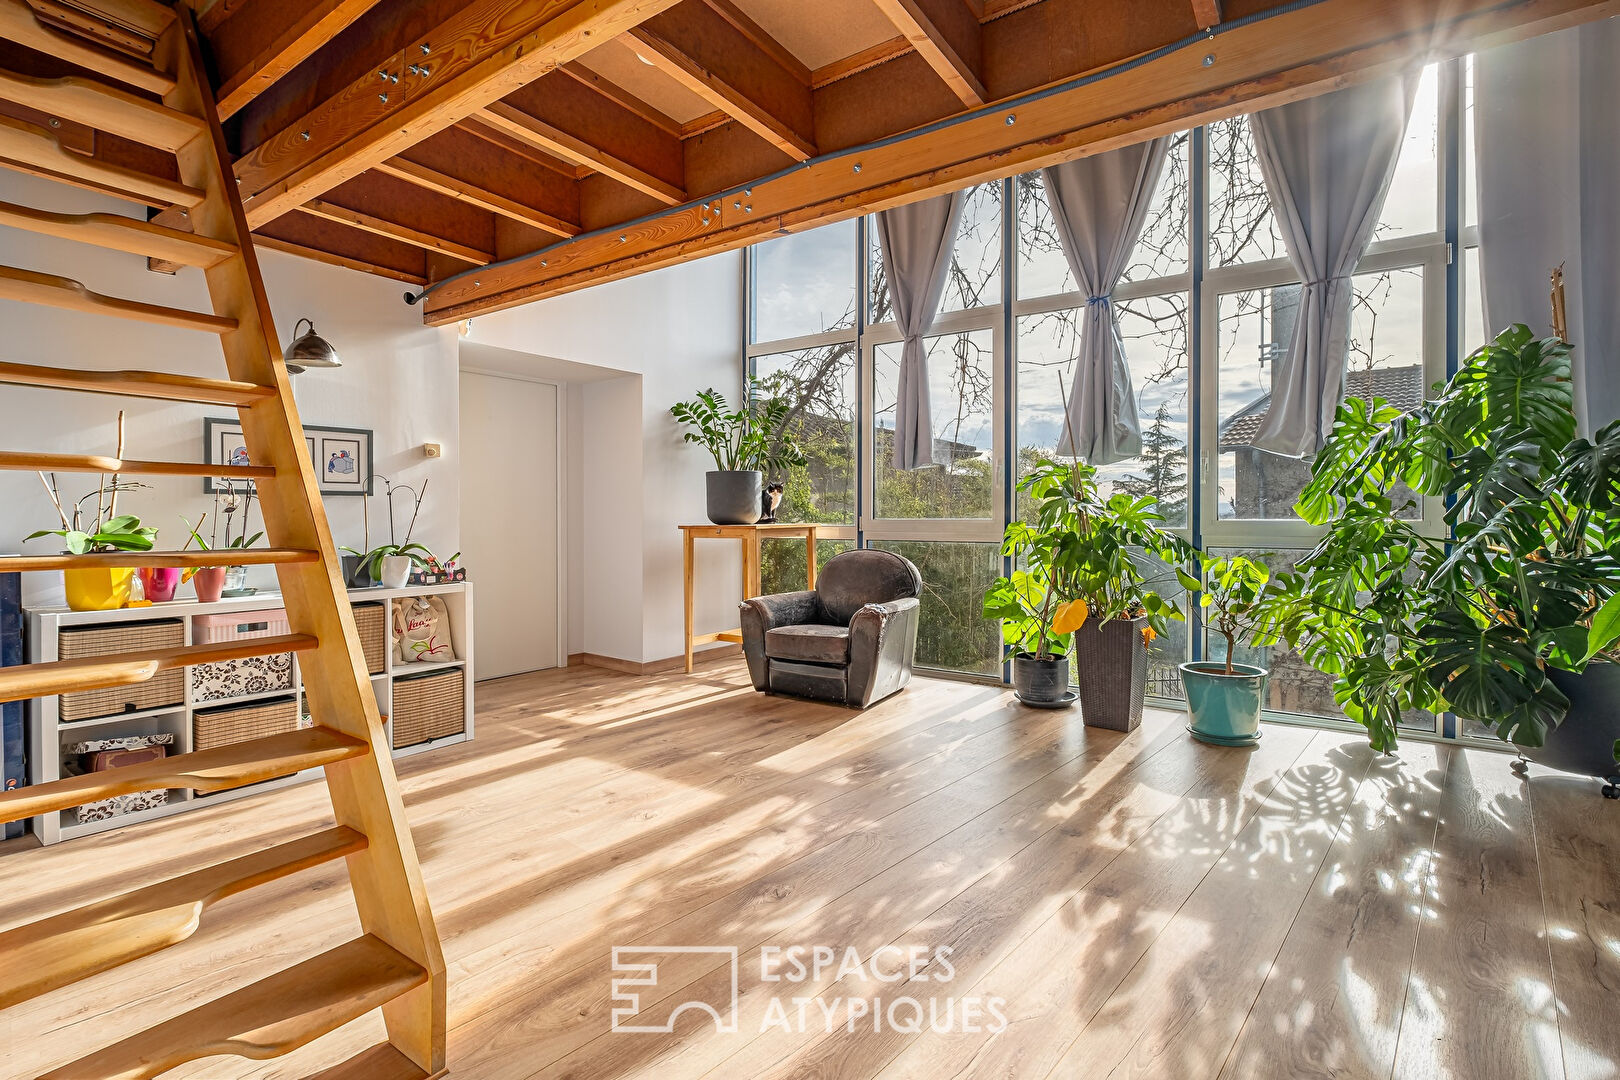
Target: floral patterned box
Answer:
[[239, 678]]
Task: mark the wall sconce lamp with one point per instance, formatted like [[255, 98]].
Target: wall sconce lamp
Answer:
[[309, 351]]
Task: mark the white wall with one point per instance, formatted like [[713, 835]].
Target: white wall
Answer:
[[399, 380], [656, 339]]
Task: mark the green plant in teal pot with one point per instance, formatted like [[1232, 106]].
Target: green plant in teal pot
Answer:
[[1224, 698], [1513, 621]]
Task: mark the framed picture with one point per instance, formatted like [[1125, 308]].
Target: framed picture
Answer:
[[341, 456]]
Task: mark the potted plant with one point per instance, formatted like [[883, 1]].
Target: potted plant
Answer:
[[1513, 621], [97, 588], [1085, 594], [212, 582], [1224, 697], [389, 564], [745, 443]]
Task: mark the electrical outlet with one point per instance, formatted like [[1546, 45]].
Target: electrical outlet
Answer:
[[432, 450]]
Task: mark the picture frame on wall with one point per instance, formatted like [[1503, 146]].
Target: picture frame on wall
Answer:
[[341, 456]]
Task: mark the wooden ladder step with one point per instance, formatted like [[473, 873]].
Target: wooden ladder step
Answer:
[[19, 23], [94, 463], [206, 770], [380, 1062], [141, 384], [120, 234], [267, 1019], [62, 949], [103, 107], [26, 681], [34, 146], [114, 559], [149, 17], [33, 287]]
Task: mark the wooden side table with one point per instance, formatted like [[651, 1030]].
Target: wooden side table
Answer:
[[750, 535]]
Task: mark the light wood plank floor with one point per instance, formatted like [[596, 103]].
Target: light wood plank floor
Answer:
[[1138, 905]]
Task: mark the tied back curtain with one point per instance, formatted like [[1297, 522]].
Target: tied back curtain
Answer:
[[1547, 125], [918, 241], [1099, 206], [1327, 163]]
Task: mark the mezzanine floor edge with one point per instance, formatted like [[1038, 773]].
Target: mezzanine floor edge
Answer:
[[1140, 905]]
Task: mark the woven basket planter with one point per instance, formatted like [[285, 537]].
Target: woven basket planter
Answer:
[[1111, 663]]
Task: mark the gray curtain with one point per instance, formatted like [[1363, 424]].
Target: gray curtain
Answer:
[[1327, 163], [1099, 205], [917, 240], [1547, 128]]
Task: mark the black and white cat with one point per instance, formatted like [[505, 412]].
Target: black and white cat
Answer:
[[769, 501]]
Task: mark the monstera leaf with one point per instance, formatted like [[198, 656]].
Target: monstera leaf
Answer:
[[1491, 674], [1515, 384]]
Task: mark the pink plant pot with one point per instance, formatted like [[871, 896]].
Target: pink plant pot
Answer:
[[209, 582], [159, 583]]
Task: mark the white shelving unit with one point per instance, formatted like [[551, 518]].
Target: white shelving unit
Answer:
[[48, 733]]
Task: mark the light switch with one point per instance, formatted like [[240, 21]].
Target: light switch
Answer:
[[432, 450]]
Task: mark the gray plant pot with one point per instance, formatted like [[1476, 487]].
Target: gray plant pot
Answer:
[[1224, 709], [1584, 742], [734, 496], [1111, 661], [356, 576], [1041, 682]]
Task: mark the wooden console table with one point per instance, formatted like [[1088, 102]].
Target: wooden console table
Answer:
[[750, 535]]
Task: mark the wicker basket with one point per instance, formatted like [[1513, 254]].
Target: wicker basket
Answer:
[[429, 707], [165, 688], [372, 622], [212, 728]]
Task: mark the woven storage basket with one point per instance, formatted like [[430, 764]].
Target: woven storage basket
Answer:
[[165, 688], [221, 727], [429, 707], [372, 622]]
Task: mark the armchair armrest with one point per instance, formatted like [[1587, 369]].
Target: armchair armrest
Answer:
[[762, 613], [882, 644]]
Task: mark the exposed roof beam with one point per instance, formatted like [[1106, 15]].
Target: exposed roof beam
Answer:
[[520, 125], [1296, 54], [474, 126], [755, 33], [337, 245], [946, 35], [1207, 12], [470, 193], [394, 230], [476, 56], [255, 44], [869, 57], [709, 56], [619, 95]]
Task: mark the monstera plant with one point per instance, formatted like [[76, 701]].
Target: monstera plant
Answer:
[[1514, 613]]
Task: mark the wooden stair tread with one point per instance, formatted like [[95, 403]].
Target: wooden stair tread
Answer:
[[120, 234], [222, 557], [380, 1062], [205, 770], [146, 384], [56, 951], [19, 23], [95, 463], [272, 1017], [103, 107], [124, 669], [33, 287], [31, 145]]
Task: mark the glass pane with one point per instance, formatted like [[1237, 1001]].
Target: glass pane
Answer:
[[1470, 194], [1242, 228], [781, 561], [975, 275], [804, 283], [953, 634], [1161, 251], [1474, 330], [1154, 330], [819, 386], [960, 377], [1385, 360], [1412, 205]]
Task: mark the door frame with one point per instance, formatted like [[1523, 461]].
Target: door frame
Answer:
[[558, 510]]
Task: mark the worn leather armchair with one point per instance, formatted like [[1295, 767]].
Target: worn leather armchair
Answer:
[[850, 640]]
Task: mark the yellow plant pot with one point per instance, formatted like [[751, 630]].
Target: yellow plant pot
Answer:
[[98, 589]]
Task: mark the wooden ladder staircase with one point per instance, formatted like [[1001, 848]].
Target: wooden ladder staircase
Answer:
[[143, 79]]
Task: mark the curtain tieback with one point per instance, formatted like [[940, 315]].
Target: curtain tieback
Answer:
[[1104, 300], [1327, 280]]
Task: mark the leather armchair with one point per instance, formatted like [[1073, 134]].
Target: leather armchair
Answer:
[[851, 640]]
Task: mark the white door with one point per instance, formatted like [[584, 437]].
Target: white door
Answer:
[[509, 510]]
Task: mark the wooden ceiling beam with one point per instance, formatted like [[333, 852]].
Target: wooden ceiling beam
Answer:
[[945, 34], [707, 54], [474, 126], [255, 44], [1207, 12], [520, 125], [469, 192], [395, 230], [481, 52], [339, 245], [867, 58], [1259, 64], [620, 96]]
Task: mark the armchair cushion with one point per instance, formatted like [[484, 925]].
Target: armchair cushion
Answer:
[[815, 643]]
